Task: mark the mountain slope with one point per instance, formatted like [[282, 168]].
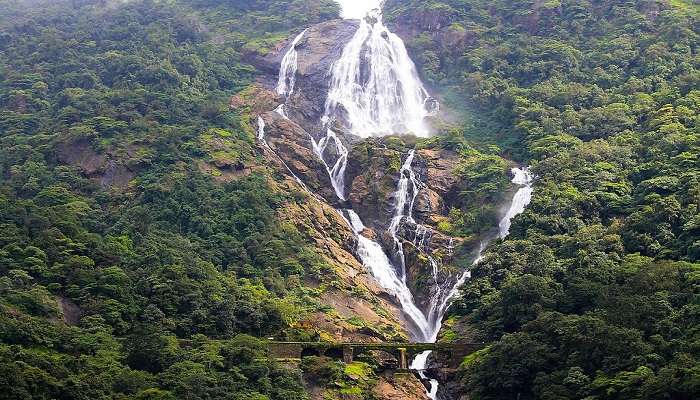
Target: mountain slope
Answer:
[[594, 293]]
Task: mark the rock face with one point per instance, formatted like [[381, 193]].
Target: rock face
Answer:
[[318, 49], [334, 241], [108, 169], [371, 181], [294, 147], [400, 386], [372, 171], [371, 178]]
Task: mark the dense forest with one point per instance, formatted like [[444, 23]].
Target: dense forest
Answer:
[[141, 259], [145, 248], [596, 292]]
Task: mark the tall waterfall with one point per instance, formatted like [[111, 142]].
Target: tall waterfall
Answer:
[[375, 89]]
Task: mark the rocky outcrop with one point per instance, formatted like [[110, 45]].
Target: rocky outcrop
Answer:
[[294, 146], [256, 99], [439, 166], [319, 48], [400, 386], [371, 178], [354, 293], [106, 169]]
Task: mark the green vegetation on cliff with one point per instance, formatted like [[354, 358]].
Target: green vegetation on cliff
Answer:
[[595, 293], [134, 211], [114, 126]]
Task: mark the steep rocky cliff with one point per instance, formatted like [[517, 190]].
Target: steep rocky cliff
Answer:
[[291, 140]]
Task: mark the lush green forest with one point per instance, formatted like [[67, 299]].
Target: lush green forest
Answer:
[[146, 247], [596, 292], [138, 225]]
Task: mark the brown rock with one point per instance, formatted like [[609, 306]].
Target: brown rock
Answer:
[[320, 47], [440, 169], [400, 386], [292, 146], [104, 168], [256, 98]]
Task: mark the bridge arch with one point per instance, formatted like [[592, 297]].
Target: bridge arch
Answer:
[[310, 351], [388, 353], [334, 352]]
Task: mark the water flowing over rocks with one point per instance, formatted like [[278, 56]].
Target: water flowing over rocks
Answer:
[[334, 117], [294, 146], [317, 50]]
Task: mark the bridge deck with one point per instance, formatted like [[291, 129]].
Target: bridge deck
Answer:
[[386, 345]]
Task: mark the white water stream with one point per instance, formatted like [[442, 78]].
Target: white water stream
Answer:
[[375, 91], [403, 207], [523, 178], [288, 70], [375, 259]]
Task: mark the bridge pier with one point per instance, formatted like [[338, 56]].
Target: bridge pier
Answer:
[[347, 354], [403, 363]]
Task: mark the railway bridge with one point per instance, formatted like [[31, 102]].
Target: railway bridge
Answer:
[[346, 351]]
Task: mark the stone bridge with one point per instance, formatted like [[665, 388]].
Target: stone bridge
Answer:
[[401, 352]]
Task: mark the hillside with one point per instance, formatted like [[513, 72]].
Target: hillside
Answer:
[[169, 200]]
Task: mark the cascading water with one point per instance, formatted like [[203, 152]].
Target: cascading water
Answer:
[[337, 172], [521, 199], [521, 177], [375, 89], [288, 70], [407, 184], [374, 259], [281, 111], [261, 130]]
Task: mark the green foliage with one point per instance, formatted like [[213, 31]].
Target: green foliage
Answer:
[[594, 292], [116, 244]]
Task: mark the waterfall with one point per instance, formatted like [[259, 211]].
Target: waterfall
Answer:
[[523, 178], [408, 183], [374, 259], [288, 70], [337, 172], [521, 199], [418, 364], [261, 129], [375, 89]]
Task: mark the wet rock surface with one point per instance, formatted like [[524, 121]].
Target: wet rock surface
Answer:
[[294, 147], [318, 49]]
